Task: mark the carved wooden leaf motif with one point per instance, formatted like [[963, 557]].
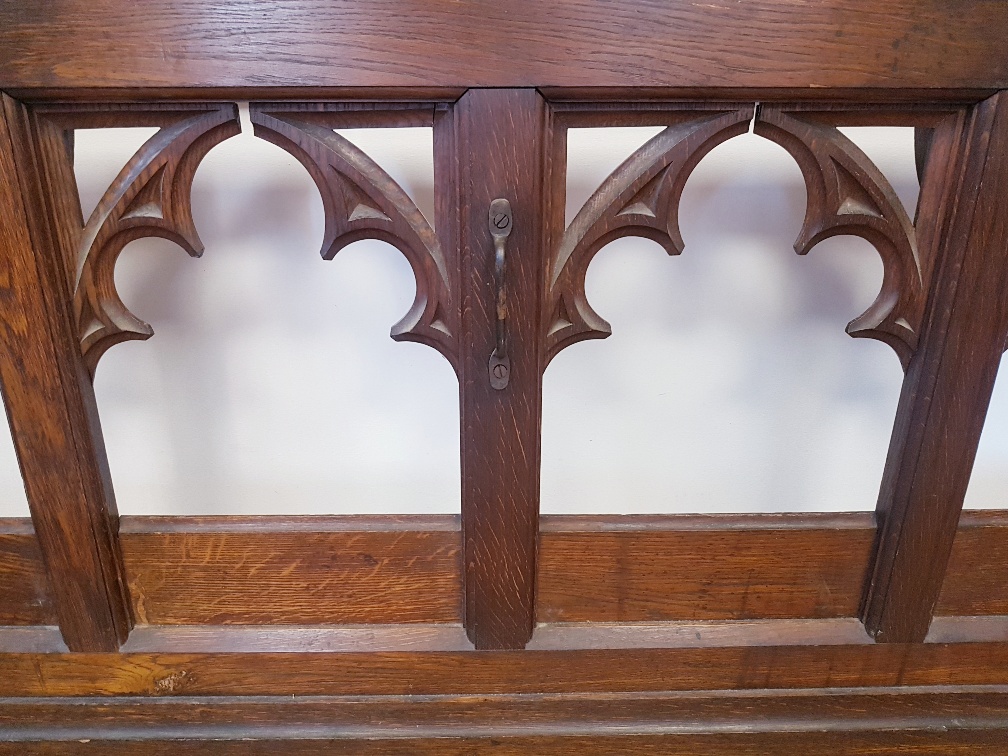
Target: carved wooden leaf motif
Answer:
[[362, 201], [149, 197], [847, 194], [640, 198]]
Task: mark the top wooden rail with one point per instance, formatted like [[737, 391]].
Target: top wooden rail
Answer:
[[859, 49]]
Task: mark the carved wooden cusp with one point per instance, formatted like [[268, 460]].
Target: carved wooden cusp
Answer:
[[149, 197], [361, 201], [640, 198], [847, 194]]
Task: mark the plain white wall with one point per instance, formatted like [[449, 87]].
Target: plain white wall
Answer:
[[271, 384]]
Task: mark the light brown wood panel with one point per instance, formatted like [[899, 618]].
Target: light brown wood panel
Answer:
[[976, 582], [635, 569], [270, 570], [392, 672], [24, 590]]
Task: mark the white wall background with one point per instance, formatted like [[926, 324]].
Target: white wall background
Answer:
[[271, 385]]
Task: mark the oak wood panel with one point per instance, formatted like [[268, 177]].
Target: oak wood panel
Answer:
[[628, 569], [280, 570], [976, 581], [495, 722], [275, 571], [521, 671], [927, 44], [49, 399], [500, 140], [950, 377], [959, 742], [25, 598]]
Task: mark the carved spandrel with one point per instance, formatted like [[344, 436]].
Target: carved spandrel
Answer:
[[640, 198], [361, 201], [847, 194], [149, 197]]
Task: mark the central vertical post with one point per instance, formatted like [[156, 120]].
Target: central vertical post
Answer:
[[500, 140]]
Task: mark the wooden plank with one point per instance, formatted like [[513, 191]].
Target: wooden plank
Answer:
[[274, 570], [950, 377], [643, 569], [928, 44], [500, 142], [25, 598], [956, 742], [542, 723], [358, 569], [50, 404], [976, 581], [396, 673]]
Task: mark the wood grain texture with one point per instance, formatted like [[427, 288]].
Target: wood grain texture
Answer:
[[949, 381], [544, 723], [954, 742], [403, 672], [289, 571], [500, 146], [25, 598], [976, 581], [925, 44], [149, 197], [361, 201], [609, 569], [847, 194], [49, 399], [640, 198], [275, 571]]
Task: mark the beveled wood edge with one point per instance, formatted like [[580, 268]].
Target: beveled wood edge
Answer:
[[411, 718], [129, 524]]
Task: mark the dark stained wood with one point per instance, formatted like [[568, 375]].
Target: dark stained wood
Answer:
[[501, 151], [923, 44], [360, 201], [956, 742], [25, 598], [279, 571], [50, 402], [612, 569], [542, 723], [640, 198], [950, 378], [976, 581], [149, 197], [847, 194]]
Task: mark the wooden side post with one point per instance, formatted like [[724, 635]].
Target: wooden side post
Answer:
[[949, 380], [48, 394], [500, 142]]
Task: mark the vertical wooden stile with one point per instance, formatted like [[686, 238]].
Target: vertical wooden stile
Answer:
[[951, 376], [48, 393], [500, 139]]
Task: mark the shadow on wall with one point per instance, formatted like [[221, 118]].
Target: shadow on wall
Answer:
[[271, 384]]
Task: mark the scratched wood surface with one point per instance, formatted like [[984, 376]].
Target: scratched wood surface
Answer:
[[194, 571], [289, 572]]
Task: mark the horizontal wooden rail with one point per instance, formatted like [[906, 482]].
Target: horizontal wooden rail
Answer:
[[402, 570], [809, 722]]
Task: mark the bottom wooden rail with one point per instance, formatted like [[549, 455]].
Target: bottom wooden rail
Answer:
[[853, 720], [699, 635]]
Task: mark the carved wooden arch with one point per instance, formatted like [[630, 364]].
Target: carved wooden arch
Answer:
[[847, 194], [361, 201], [151, 196]]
